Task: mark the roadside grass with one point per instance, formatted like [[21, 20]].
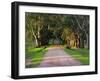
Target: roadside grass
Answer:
[[36, 56], [80, 54]]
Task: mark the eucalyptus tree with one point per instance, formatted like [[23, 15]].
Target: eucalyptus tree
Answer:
[[82, 22], [45, 26], [79, 25], [34, 24]]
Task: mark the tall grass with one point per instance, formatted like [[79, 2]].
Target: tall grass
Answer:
[[79, 54], [36, 56]]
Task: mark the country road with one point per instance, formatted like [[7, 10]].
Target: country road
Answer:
[[56, 56]]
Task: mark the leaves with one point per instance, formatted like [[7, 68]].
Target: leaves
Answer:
[[42, 27]]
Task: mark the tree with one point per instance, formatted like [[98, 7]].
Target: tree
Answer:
[[80, 26], [83, 25], [34, 24], [72, 29]]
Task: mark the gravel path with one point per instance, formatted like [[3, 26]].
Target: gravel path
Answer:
[[56, 56]]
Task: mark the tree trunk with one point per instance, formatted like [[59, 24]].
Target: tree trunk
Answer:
[[87, 41], [81, 42], [36, 40]]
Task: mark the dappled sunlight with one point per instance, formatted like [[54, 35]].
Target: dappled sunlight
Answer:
[[56, 47], [56, 39]]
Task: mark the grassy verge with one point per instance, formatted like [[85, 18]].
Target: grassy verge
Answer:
[[35, 55], [80, 54]]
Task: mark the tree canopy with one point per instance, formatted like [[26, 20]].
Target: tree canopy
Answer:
[[70, 30]]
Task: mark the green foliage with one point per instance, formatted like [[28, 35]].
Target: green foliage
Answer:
[[80, 54], [71, 30], [66, 33], [43, 27], [36, 56]]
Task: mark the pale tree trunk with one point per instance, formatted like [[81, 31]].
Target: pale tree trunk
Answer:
[[37, 44], [39, 36], [36, 39]]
